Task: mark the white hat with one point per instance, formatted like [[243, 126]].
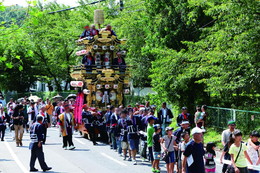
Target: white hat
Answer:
[[196, 130], [185, 122]]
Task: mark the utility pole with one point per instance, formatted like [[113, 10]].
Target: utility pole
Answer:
[[121, 3]]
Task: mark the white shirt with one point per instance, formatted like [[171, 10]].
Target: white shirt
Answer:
[[68, 115], [13, 104], [164, 113], [30, 114], [253, 154], [2, 114]]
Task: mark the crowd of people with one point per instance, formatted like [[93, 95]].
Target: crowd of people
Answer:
[[141, 129]]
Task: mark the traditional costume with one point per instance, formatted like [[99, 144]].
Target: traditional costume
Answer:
[[67, 123]]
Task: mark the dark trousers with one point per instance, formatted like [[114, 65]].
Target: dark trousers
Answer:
[[92, 134], [2, 131], [243, 170], [37, 152], [224, 168], [67, 140], [113, 138], [150, 149]]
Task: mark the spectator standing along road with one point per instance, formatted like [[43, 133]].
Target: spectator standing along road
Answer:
[[193, 155], [226, 133], [18, 124], [184, 116], [150, 132], [168, 143], [165, 117]]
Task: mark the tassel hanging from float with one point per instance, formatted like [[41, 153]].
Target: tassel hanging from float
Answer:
[[99, 17]]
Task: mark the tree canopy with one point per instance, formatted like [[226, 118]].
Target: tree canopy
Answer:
[[189, 51]]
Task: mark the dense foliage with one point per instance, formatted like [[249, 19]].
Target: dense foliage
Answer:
[[190, 52]]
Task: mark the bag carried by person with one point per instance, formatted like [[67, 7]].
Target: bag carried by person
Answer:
[[230, 168], [165, 153]]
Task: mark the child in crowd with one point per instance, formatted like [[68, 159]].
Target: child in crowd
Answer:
[[168, 144], [225, 153], [253, 149], [210, 165], [156, 148], [186, 138], [198, 118], [239, 154]]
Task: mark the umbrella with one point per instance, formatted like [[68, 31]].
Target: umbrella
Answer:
[[59, 97], [71, 96], [20, 100], [34, 98]]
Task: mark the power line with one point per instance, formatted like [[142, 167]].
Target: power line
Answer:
[[76, 7]]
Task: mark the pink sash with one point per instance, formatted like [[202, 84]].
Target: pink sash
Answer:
[[78, 107]]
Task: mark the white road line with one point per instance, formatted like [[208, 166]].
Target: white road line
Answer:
[[79, 141], [16, 159], [111, 158]]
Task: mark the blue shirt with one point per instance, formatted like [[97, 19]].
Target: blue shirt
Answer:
[[197, 152], [178, 133]]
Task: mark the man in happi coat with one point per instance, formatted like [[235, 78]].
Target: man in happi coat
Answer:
[[67, 123]]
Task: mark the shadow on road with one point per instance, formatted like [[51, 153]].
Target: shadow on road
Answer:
[[53, 144], [81, 149], [5, 160]]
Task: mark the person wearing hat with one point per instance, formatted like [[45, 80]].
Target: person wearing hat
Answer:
[[185, 127], [193, 161], [165, 116], [253, 147], [67, 123], [226, 133], [168, 144], [184, 116], [88, 118], [156, 148], [86, 32], [150, 131], [133, 123]]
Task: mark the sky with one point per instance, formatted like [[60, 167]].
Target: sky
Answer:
[[72, 3]]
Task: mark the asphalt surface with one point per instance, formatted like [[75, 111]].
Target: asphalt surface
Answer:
[[86, 158]]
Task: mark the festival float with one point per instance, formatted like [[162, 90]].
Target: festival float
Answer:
[[101, 83]]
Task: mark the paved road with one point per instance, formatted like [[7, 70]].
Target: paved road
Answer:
[[86, 158]]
